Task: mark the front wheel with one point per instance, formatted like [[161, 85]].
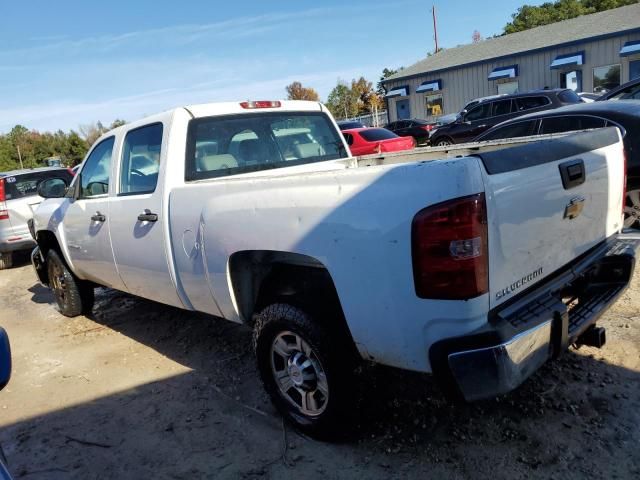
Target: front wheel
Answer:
[[73, 296], [632, 209], [310, 383]]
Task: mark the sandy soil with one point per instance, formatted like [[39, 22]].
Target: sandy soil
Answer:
[[139, 390]]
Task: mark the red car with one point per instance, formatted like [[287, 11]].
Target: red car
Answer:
[[365, 141]]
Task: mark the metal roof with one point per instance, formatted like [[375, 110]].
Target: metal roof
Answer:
[[573, 31]]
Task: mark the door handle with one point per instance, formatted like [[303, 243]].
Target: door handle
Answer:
[[147, 216], [98, 217]]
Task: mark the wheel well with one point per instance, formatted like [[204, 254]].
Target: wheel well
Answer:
[[47, 241], [260, 278]]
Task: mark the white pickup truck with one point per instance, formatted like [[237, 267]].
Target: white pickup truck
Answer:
[[477, 264]]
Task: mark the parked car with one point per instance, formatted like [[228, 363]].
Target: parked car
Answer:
[[18, 199], [488, 113], [367, 141], [624, 115], [444, 263], [418, 129], [349, 124], [627, 91]]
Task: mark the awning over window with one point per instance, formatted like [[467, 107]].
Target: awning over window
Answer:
[[510, 71], [630, 48], [398, 92], [430, 86], [569, 59]]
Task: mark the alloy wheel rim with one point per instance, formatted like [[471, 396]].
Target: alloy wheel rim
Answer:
[[59, 284], [298, 373], [632, 209]]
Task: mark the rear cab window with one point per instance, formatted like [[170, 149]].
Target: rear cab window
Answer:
[[26, 184], [234, 144]]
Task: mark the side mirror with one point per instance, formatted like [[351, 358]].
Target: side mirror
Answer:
[[52, 188], [5, 358], [460, 117]]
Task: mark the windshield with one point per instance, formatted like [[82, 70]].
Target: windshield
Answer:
[[377, 134], [219, 146]]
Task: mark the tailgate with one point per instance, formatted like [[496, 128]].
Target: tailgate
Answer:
[[540, 222]]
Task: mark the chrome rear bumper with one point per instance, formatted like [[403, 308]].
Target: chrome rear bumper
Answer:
[[536, 326]]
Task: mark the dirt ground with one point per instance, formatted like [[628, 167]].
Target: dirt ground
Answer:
[[139, 390]]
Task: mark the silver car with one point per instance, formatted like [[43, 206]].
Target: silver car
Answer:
[[18, 200]]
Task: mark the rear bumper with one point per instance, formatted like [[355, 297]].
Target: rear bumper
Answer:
[[536, 325], [14, 244]]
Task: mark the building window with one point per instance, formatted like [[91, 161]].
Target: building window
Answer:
[[434, 105], [606, 78], [571, 80], [634, 70], [508, 88]]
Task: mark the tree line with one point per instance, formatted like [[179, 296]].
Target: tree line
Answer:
[[24, 148]]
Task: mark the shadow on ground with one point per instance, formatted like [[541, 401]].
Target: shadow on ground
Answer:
[[577, 417]]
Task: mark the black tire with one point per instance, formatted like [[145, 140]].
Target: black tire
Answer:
[[336, 367], [73, 296], [6, 260], [443, 142]]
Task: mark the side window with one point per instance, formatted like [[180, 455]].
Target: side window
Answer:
[[560, 124], [514, 130], [527, 103], [479, 112], [141, 160], [592, 122], [97, 170], [503, 107]]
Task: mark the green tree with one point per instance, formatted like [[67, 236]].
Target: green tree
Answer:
[[386, 73], [341, 102], [529, 16], [295, 91]]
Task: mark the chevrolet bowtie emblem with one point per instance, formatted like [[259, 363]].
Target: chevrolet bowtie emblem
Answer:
[[574, 208]]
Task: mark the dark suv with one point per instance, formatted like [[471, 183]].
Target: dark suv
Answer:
[[490, 112]]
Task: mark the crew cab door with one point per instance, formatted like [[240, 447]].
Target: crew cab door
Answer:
[[86, 219], [136, 223]]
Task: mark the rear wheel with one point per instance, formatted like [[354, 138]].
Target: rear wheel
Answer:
[[311, 383], [443, 142], [632, 209], [73, 296], [6, 260]]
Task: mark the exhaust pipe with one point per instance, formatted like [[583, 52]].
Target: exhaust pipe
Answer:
[[593, 337]]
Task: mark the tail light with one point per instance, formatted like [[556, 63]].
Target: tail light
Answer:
[[4, 213], [449, 249], [260, 104]]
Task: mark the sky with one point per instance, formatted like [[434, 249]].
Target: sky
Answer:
[[69, 63]]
